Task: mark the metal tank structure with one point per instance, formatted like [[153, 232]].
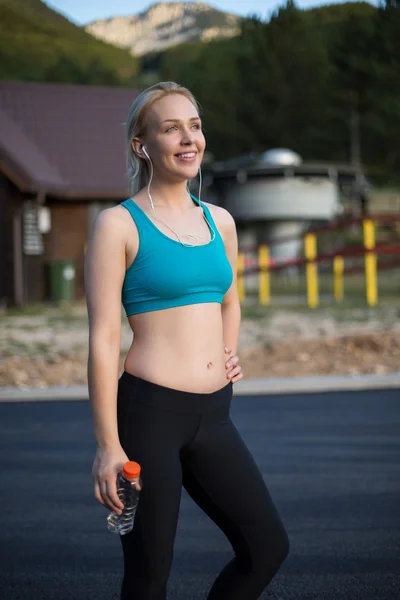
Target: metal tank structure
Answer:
[[275, 194]]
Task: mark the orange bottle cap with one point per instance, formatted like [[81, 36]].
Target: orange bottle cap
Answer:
[[131, 470]]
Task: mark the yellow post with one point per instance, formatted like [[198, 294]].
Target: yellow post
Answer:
[[338, 270], [310, 250], [371, 283], [264, 281], [240, 277]]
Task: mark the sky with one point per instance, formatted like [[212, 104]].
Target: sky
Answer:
[[82, 12]]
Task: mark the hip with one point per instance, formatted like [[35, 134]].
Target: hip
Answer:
[[202, 371], [134, 389]]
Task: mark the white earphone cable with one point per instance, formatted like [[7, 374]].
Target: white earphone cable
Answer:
[[190, 235]]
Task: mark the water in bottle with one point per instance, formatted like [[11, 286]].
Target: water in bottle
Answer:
[[129, 496]]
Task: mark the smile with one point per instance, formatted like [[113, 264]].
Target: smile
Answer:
[[188, 156]]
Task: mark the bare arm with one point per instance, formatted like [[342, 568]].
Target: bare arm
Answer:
[[104, 272], [231, 313]]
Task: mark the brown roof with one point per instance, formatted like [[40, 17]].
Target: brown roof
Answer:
[[67, 140]]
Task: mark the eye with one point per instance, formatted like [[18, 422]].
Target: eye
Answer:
[[197, 125], [169, 128]]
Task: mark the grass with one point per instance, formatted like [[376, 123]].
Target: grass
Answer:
[[53, 312], [28, 310], [290, 291], [71, 320], [354, 285], [16, 348], [349, 310]]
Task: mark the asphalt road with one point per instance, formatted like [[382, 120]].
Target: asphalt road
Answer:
[[331, 462]]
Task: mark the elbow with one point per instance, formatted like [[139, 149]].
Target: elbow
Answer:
[[105, 336]]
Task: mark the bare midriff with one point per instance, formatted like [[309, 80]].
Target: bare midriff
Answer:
[[180, 348]]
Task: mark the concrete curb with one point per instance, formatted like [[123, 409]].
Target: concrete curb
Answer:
[[247, 387]]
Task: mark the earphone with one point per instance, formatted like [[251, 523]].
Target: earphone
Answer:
[[145, 152], [213, 234]]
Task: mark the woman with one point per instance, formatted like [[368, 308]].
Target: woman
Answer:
[[172, 259]]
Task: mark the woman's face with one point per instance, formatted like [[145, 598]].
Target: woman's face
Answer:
[[174, 139]]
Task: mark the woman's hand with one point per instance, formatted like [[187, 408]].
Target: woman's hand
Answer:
[[234, 370], [107, 464]]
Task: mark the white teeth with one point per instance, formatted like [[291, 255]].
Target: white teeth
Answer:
[[190, 155]]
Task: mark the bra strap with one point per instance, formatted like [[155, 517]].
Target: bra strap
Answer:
[[209, 217], [134, 211]]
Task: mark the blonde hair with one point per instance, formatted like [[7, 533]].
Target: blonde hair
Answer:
[[137, 169]]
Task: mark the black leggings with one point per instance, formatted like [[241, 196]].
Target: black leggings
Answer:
[[184, 438]]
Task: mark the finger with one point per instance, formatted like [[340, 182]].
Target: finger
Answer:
[[97, 493], [112, 495], [234, 371], [227, 349], [237, 378], [234, 368], [233, 360], [105, 496]]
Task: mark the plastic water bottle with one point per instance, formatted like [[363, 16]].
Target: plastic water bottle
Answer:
[[129, 496]]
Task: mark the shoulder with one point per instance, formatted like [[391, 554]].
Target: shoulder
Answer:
[[224, 221], [223, 218], [112, 221]]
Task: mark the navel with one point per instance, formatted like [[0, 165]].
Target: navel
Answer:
[[209, 365]]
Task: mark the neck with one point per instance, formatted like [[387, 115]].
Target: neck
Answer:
[[171, 195]]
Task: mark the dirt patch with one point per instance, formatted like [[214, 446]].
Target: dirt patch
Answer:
[[347, 355], [51, 349]]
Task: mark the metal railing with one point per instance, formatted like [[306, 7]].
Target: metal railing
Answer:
[[370, 250]]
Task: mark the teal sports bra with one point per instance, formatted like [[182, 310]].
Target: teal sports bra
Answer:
[[165, 274]]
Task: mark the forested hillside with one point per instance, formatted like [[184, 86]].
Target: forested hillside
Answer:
[[324, 82], [39, 44]]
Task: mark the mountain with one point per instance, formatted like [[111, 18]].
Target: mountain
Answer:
[[165, 24], [39, 44]]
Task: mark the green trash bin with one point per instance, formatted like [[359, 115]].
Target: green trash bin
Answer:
[[61, 280]]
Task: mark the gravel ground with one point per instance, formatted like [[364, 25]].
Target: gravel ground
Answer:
[[51, 348]]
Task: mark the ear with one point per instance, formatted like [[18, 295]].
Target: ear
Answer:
[[136, 144]]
